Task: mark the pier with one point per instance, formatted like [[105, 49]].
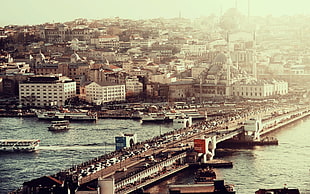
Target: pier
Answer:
[[143, 164]]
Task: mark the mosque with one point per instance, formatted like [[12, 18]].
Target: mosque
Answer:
[[222, 79]]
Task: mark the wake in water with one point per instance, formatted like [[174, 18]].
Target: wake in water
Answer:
[[94, 146]]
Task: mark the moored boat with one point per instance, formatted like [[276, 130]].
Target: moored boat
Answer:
[[59, 126], [77, 115], [284, 190], [205, 175], [14, 145], [154, 117]]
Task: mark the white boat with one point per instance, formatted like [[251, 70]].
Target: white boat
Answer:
[[77, 115], [153, 117], [194, 113], [59, 126], [14, 145]]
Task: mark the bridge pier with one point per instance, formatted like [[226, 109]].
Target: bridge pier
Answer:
[[205, 148], [106, 185], [252, 128]]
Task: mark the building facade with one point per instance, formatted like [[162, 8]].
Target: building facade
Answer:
[[101, 93], [259, 89], [50, 90], [133, 86]]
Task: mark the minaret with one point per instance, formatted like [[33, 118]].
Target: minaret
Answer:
[[254, 68], [248, 11]]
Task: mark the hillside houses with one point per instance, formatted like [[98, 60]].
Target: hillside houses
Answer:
[[177, 62]]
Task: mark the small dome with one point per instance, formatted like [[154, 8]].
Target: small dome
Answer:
[[74, 40]]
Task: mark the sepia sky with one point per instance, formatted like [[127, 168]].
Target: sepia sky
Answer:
[[23, 12]]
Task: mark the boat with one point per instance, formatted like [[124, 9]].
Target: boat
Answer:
[[284, 190], [13, 145], [205, 175], [59, 125], [77, 115], [215, 187], [153, 117], [205, 183]]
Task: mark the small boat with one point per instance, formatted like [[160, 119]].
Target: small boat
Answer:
[[59, 126], [205, 175], [284, 190], [14, 145]]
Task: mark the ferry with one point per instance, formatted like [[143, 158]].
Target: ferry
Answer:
[[59, 126], [153, 117], [173, 115], [67, 115], [13, 145]]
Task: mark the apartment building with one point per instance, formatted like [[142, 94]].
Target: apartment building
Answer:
[[46, 90], [106, 41], [99, 93], [133, 86]]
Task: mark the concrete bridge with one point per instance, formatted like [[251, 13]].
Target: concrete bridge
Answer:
[[169, 153], [205, 140]]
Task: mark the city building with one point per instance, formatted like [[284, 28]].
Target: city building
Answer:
[[180, 90], [133, 86], [259, 89], [106, 41], [46, 90], [99, 93]]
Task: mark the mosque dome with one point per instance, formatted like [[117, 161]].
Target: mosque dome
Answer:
[[214, 69], [220, 58]]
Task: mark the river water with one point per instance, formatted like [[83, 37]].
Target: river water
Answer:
[[259, 167]]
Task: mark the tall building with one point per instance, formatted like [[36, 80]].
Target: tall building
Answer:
[[46, 90]]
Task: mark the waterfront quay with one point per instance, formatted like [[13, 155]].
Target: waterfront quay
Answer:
[[131, 169]]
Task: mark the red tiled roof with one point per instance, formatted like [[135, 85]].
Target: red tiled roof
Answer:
[[114, 67]]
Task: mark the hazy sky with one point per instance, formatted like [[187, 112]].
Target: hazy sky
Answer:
[[40, 11]]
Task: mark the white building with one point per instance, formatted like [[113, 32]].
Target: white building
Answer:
[[194, 49], [47, 90], [259, 89], [107, 41], [163, 78], [101, 93]]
